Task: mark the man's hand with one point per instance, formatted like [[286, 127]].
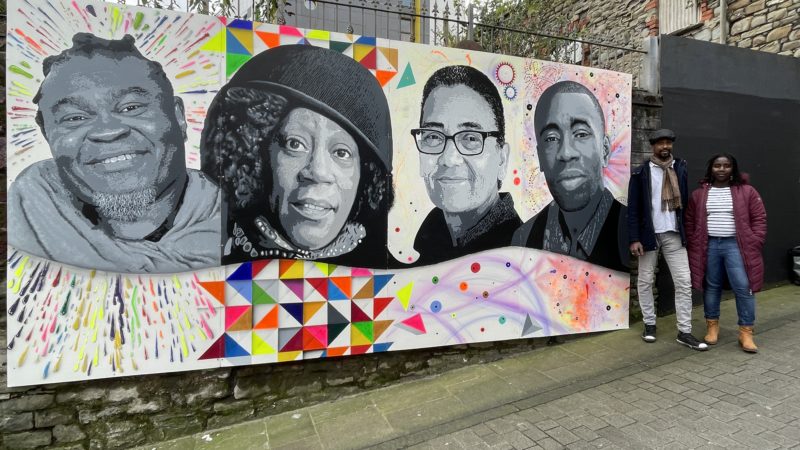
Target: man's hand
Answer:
[[637, 249]]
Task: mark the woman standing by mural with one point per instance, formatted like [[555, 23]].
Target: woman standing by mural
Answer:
[[301, 141], [726, 224]]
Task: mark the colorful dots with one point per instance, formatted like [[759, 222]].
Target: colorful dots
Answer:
[[485, 294], [436, 306], [515, 171], [502, 320], [435, 280], [475, 267], [463, 286], [565, 276], [410, 259], [483, 329], [508, 264], [397, 229], [608, 308], [530, 107], [517, 181]]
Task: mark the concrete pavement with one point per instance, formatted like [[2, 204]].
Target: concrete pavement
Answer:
[[609, 390]]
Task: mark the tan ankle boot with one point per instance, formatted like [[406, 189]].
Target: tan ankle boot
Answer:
[[712, 325], [746, 340]]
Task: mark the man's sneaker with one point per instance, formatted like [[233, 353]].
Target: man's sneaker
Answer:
[[649, 333], [690, 341]]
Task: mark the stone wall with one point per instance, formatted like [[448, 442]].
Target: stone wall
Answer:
[[128, 411], [766, 25]]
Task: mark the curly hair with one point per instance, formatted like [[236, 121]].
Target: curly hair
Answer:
[[736, 176], [241, 124]]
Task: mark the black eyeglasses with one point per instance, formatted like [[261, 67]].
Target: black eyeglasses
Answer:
[[468, 142]]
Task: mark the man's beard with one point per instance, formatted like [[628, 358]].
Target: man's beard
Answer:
[[127, 207]]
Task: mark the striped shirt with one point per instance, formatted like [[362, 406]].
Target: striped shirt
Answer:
[[720, 213]]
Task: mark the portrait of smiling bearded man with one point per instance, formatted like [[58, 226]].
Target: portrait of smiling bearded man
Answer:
[[116, 195]]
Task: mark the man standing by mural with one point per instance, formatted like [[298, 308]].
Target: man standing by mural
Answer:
[[463, 160], [584, 220], [116, 195], [657, 195]]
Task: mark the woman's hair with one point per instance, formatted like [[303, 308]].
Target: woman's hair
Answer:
[[736, 176], [235, 145]]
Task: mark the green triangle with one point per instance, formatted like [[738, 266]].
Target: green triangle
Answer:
[[408, 77], [260, 296], [340, 47], [233, 61], [365, 328]]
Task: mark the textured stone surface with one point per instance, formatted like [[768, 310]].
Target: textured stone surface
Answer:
[[16, 422], [68, 433], [29, 439], [27, 403], [50, 417]]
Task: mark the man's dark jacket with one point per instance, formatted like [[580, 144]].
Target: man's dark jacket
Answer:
[[640, 216]]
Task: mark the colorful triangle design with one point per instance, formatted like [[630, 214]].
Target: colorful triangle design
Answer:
[[216, 289], [296, 286], [234, 313], [310, 309], [370, 60], [244, 38], [260, 296], [243, 323], [294, 343], [379, 326], [334, 293], [216, 44], [295, 310], [233, 61], [234, 46], [269, 39], [344, 284], [382, 347], [320, 285], [334, 330], [335, 317], [315, 338], [357, 314], [379, 305], [358, 335], [233, 349], [290, 31], [270, 320], [415, 324], [258, 266], [261, 347], [381, 281], [217, 349], [366, 329], [340, 47], [391, 56], [289, 268], [384, 76], [407, 79], [241, 24], [321, 35], [336, 351], [404, 295], [367, 40], [367, 291], [244, 288], [359, 349], [243, 272]]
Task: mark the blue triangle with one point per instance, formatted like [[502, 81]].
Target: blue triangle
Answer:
[[334, 293], [303, 41], [233, 349], [407, 79], [244, 272], [295, 309], [242, 24], [366, 40], [382, 347], [232, 45], [244, 288], [380, 282]]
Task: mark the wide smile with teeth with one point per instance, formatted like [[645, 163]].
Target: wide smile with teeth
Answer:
[[113, 159], [312, 207]]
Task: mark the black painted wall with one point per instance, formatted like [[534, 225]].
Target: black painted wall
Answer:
[[726, 99]]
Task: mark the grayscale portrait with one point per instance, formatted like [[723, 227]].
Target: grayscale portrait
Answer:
[[301, 140], [116, 195], [463, 158], [583, 220]]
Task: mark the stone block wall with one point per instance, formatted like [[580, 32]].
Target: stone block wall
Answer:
[[766, 25], [129, 411]]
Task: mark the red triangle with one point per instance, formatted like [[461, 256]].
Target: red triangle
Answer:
[[359, 349], [415, 322], [270, 39], [320, 284], [370, 61], [270, 320], [216, 289], [384, 76], [380, 304], [311, 341], [345, 284], [295, 343], [258, 266], [217, 349], [357, 314]]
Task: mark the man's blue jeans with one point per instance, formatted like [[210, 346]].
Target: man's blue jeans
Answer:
[[724, 258]]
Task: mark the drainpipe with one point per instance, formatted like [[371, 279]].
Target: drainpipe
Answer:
[[723, 21]]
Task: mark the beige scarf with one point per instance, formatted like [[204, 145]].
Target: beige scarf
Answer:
[[670, 192]]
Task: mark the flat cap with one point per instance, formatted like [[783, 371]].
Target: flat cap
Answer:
[[662, 134]]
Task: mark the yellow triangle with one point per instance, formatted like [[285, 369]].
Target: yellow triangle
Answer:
[[294, 271], [260, 347], [404, 295], [361, 50], [216, 43], [390, 54], [358, 338], [289, 356], [319, 34], [245, 37], [323, 267]]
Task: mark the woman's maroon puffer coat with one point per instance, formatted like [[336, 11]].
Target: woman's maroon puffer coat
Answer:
[[751, 231]]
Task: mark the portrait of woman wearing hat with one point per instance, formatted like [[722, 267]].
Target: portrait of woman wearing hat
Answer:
[[300, 139]]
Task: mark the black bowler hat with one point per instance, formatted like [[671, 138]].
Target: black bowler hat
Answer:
[[662, 134]]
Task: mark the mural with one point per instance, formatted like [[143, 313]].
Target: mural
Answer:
[[190, 192]]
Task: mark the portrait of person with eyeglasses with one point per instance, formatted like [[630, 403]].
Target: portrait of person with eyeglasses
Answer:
[[584, 220], [463, 159]]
